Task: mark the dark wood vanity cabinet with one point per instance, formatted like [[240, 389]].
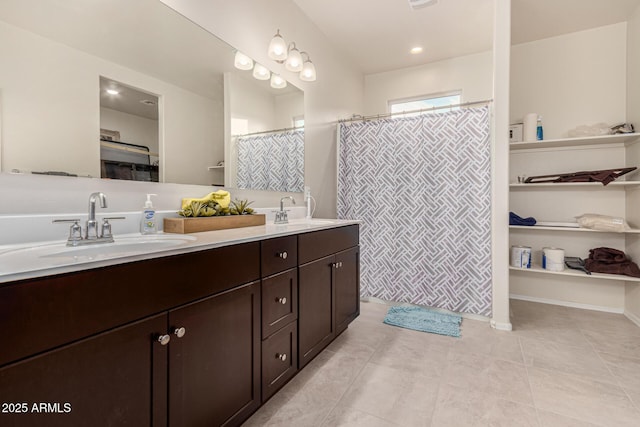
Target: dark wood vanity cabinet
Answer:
[[328, 288], [198, 339]]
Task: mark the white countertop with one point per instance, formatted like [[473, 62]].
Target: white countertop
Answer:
[[32, 260]]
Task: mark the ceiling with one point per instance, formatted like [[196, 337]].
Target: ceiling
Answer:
[[377, 34]]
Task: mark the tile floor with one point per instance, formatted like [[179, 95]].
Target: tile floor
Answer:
[[559, 367]]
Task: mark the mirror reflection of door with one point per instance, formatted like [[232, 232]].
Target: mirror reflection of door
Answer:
[[129, 132]]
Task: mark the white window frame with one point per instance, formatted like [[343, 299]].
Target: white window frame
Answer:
[[428, 97]]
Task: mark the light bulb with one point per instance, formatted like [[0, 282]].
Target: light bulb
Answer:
[[294, 60], [112, 92], [260, 72], [278, 82], [242, 61], [277, 48], [308, 73]]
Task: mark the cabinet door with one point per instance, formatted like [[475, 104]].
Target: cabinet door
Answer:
[[347, 287], [115, 378], [214, 368], [316, 324]]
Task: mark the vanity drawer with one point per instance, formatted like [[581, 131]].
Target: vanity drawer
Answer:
[[279, 301], [278, 254], [279, 359], [319, 244]]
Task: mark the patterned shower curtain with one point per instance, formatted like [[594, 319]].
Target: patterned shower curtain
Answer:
[[421, 185], [272, 161]]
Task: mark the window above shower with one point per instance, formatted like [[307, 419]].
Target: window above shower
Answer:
[[427, 104]]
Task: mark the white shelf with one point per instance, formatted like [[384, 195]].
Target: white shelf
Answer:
[[215, 167], [578, 229], [576, 273], [575, 142], [569, 185]]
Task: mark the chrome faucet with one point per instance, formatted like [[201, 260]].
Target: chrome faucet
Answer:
[[281, 215], [91, 232]]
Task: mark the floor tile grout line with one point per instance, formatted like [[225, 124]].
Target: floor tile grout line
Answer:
[[355, 377], [526, 368]]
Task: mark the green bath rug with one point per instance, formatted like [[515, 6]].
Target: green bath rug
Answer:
[[425, 320]]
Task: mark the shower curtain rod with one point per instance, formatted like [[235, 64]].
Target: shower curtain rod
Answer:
[[384, 116], [270, 131]]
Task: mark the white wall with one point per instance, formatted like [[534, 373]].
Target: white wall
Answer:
[[471, 74], [51, 111], [571, 80], [338, 91]]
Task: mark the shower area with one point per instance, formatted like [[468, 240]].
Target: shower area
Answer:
[[421, 186]]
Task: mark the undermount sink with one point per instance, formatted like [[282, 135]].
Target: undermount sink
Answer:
[[44, 255], [123, 245]]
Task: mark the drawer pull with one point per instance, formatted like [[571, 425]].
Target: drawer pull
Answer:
[[281, 356], [337, 264], [283, 255], [164, 339], [281, 300], [179, 332]]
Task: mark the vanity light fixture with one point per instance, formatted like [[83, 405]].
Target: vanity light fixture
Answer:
[[260, 72], [291, 57], [242, 61], [112, 92], [308, 72], [278, 82]]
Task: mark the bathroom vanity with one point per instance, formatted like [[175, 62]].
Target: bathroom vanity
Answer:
[[196, 336]]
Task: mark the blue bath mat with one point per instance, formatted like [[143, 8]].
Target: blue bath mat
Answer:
[[425, 320]]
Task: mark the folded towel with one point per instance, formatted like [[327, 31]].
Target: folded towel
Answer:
[[516, 220], [223, 198], [611, 261]]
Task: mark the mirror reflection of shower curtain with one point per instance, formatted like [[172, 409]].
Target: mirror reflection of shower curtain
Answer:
[[272, 161], [422, 187]]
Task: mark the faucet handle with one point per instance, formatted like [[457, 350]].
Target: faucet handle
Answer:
[[105, 231], [75, 231]]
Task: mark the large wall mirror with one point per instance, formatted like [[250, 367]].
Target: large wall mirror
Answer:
[[164, 118]]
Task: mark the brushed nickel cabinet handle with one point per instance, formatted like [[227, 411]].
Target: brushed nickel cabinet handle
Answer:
[[163, 339], [281, 300], [179, 332], [281, 356], [283, 255]]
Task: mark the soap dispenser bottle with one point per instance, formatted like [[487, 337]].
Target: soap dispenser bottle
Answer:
[[148, 221]]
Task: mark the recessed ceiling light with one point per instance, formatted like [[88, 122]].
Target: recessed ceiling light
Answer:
[[416, 50], [112, 92]]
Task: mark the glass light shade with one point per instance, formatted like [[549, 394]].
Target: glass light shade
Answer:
[[294, 60], [260, 72], [278, 48], [308, 73], [242, 61], [278, 82]]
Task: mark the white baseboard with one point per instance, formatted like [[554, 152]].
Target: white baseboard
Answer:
[[568, 304], [635, 319], [501, 326]]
